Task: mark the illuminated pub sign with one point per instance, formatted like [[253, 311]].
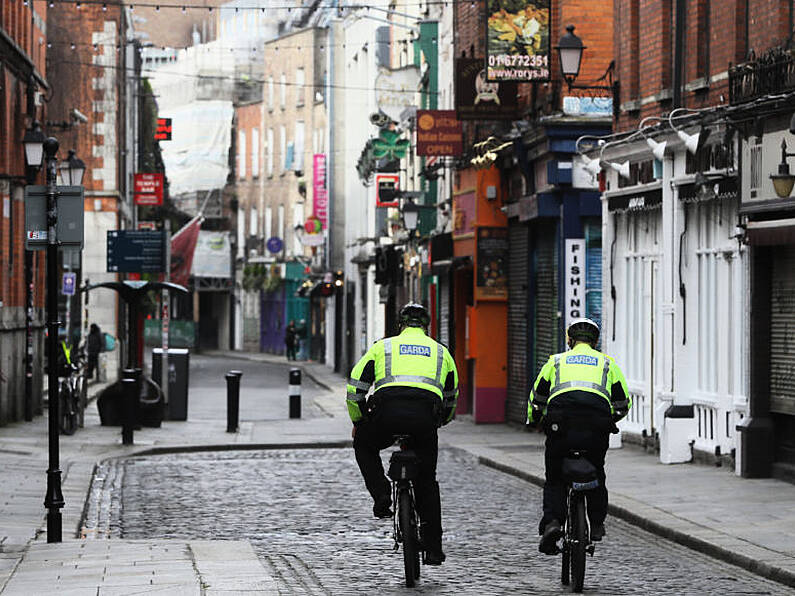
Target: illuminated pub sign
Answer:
[[517, 40], [163, 130]]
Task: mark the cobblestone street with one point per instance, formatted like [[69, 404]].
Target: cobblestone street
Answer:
[[308, 516]]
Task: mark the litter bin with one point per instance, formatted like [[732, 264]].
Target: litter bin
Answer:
[[178, 366]]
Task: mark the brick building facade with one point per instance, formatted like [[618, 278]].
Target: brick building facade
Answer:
[[23, 50]]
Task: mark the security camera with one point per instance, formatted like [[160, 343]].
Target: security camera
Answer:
[[79, 116]]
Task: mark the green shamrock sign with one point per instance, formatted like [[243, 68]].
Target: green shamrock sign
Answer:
[[390, 145]]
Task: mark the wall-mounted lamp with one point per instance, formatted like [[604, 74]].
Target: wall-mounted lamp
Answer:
[[592, 166], [784, 180], [692, 142], [411, 215], [657, 147], [621, 168]]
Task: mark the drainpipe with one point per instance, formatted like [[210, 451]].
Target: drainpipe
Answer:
[[679, 50]]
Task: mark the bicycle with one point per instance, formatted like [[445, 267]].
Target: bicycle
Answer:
[[404, 468], [72, 396], [581, 477]]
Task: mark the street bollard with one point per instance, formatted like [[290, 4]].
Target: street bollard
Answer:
[[295, 393], [232, 400], [129, 398]]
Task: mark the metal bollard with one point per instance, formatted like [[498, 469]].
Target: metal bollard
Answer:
[[232, 400], [295, 393], [129, 398]]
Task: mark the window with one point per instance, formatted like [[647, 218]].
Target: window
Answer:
[[298, 157], [283, 90], [281, 222], [283, 146], [300, 81], [255, 152], [241, 154], [269, 149], [318, 140], [241, 232], [253, 222], [270, 92], [268, 231], [298, 217]]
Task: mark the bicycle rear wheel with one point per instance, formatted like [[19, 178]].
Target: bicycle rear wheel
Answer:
[[579, 534], [67, 416], [408, 530], [82, 386]]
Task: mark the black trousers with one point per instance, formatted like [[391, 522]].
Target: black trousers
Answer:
[[93, 362], [559, 443], [413, 417]]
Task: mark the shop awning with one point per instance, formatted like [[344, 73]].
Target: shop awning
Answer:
[[771, 233]]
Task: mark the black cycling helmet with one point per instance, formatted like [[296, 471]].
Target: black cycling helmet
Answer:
[[583, 330], [414, 315]]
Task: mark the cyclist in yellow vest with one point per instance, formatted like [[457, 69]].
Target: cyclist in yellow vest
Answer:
[[416, 389], [579, 395]]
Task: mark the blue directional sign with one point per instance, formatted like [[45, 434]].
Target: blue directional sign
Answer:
[[136, 251], [275, 244]]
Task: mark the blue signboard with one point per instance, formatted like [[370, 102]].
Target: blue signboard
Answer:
[[275, 244], [68, 284], [136, 251]]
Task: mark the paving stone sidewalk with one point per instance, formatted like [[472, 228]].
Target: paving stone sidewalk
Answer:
[[747, 522]]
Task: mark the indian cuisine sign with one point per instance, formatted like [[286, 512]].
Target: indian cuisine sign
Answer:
[[517, 40]]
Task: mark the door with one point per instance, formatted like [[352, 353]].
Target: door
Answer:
[[518, 326], [782, 351]]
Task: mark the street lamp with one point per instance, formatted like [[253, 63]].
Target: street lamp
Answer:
[[34, 145], [570, 50], [33, 142], [784, 180], [53, 500], [71, 170], [411, 215]]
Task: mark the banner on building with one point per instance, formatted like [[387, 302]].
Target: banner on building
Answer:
[[517, 40], [439, 132], [213, 255], [319, 188], [491, 278], [183, 247], [148, 189], [464, 212], [478, 99], [575, 280]]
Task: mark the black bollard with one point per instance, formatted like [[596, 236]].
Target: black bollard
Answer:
[[232, 400], [129, 398], [295, 393]]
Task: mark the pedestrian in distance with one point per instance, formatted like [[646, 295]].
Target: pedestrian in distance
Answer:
[[578, 397], [291, 340], [94, 343], [415, 392]]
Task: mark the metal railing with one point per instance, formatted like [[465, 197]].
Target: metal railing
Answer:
[[771, 73]]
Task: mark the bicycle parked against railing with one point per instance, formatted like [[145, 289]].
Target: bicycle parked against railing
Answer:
[[404, 468], [581, 477]]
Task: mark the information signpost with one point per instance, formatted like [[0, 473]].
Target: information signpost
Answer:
[[136, 251]]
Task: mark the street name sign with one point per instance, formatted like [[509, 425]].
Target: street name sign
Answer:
[[136, 251]]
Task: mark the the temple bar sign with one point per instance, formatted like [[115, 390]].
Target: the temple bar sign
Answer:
[[439, 132], [575, 279]]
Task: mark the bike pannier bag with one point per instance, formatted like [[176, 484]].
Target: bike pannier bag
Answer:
[[403, 465]]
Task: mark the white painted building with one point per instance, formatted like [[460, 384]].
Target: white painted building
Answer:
[[675, 292]]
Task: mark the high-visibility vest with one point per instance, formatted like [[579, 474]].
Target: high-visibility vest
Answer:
[[411, 359]]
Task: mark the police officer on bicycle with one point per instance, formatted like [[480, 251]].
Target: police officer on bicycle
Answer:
[[580, 394], [416, 389]]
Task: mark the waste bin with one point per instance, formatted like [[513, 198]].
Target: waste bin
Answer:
[[178, 366]]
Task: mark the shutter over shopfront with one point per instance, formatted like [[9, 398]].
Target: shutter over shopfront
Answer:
[[545, 268], [782, 331], [518, 323]]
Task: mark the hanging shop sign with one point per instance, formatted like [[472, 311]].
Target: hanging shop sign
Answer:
[[478, 99], [163, 130], [148, 189], [275, 244], [313, 232], [491, 279], [575, 279], [319, 189], [517, 40], [396, 90], [386, 189], [439, 132], [68, 284]]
